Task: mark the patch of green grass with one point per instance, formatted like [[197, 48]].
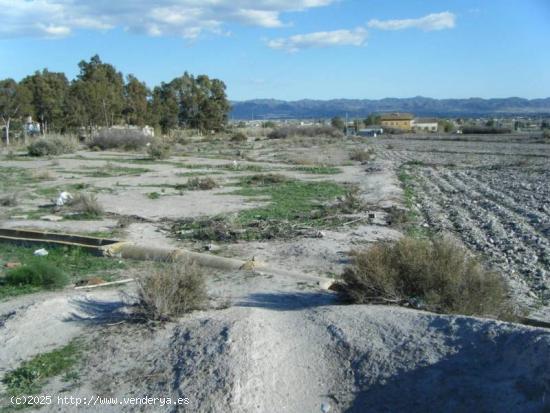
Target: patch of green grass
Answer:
[[291, 200], [32, 375], [78, 264], [412, 227], [54, 191], [292, 207], [13, 177], [153, 195], [318, 170], [36, 272], [406, 181]]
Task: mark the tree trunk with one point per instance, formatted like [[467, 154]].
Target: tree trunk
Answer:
[[42, 126], [8, 132]]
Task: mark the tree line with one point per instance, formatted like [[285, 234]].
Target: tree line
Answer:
[[100, 96]]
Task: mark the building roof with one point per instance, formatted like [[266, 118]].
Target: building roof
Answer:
[[396, 116], [371, 128], [426, 120]]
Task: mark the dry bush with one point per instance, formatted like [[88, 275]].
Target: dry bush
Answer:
[[201, 183], [127, 139], [52, 145], [159, 150], [43, 175], [239, 137], [350, 203], [86, 205], [435, 275], [361, 155], [305, 131], [9, 200], [396, 215], [265, 179], [171, 291]]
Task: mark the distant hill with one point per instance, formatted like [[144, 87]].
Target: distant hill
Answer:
[[420, 106]]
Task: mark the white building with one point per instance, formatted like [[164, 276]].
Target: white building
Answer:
[[425, 125]]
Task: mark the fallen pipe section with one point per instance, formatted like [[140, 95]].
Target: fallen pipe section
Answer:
[[140, 252], [121, 249]]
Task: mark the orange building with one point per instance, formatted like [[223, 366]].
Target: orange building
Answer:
[[403, 121]]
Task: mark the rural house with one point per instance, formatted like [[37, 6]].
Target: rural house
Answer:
[[426, 125], [403, 121]]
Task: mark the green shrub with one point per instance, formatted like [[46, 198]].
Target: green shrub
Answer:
[[159, 150], [435, 275], [37, 272], [239, 137], [56, 145], [172, 291]]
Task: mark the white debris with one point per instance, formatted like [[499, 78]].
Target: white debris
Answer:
[[41, 252], [52, 218], [63, 198], [325, 407]]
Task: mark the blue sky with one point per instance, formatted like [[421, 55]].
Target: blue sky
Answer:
[[317, 49]]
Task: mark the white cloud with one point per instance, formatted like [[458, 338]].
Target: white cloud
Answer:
[[297, 42], [434, 21], [185, 18], [54, 31]]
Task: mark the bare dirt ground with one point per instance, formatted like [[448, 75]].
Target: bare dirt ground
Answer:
[[281, 344]]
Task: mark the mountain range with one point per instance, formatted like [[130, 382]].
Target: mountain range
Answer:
[[419, 106]]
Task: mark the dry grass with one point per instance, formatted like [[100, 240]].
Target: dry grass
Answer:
[[203, 184], [43, 175], [239, 137], [437, 275], [264, 179], [86, 205], [350, 203], [53, 145], [159, 150], [171, 291], [397, 215], [127, 139], [361, 155]]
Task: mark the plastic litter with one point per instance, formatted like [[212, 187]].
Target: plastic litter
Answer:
[[325, 407], [41, 252], [63, 198]]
